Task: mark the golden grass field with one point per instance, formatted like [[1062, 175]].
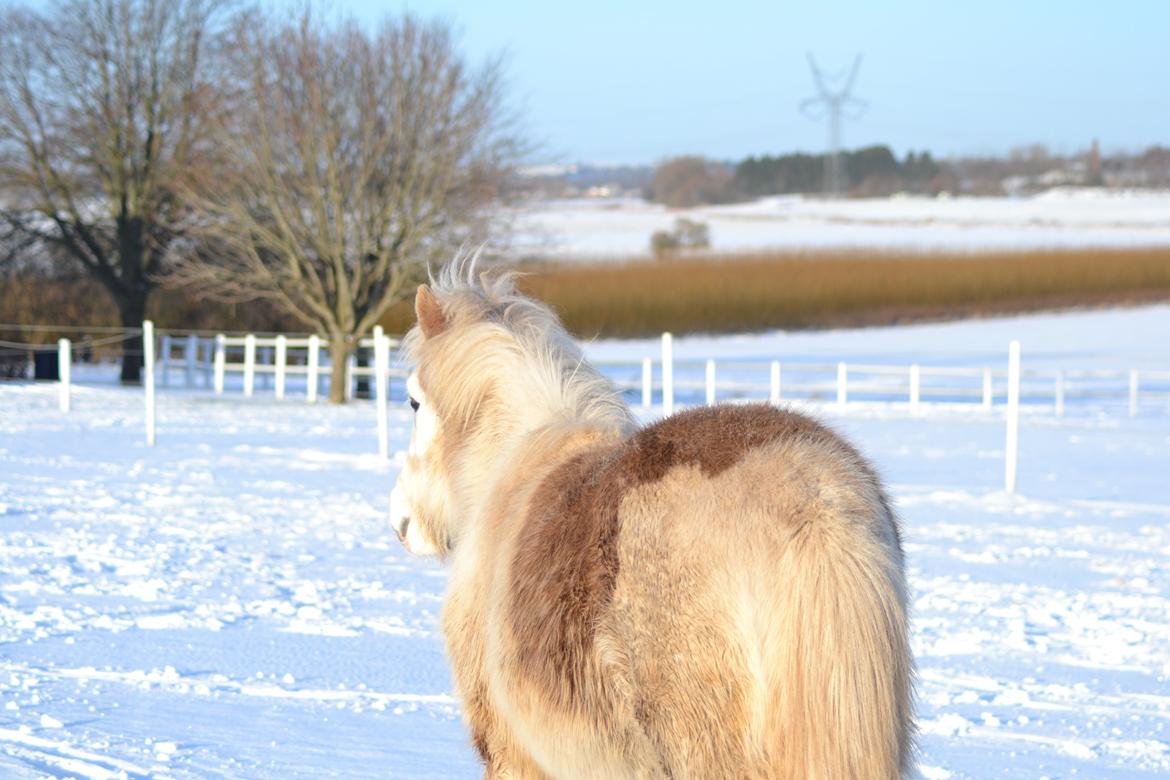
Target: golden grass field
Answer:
[[707, 293], [725, 293]]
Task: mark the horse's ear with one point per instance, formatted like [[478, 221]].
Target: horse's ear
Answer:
[[430, 315]]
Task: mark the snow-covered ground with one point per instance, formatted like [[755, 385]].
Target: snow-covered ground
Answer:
[[613, 228], [232, 603]]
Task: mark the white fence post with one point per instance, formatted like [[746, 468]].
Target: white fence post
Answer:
[[220, 361], [249, 364], [915, 386], [148, 379], [1059, 400], [314, 365], [382, 388], [647, 383], [64, 371], [1133, 392], [190, 355], [842, 384], [987, 392], [667, 375], [774, 390], [165, 363], [1011, 451], [281, 360], [710, 383]]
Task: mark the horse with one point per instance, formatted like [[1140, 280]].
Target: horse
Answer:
[[718, 594]]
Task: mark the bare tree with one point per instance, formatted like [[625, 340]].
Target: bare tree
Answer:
[[353, 160], [102, 107], [684, 182]]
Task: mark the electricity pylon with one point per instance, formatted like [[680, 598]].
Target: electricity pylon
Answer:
[[835, 105]]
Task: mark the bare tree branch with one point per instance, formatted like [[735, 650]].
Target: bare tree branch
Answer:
[[103, 107], [352, 160]]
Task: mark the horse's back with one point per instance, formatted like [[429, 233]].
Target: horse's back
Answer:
[[692, 593], [760, 568]]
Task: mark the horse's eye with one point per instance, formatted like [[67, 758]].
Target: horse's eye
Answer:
[[414, 404]]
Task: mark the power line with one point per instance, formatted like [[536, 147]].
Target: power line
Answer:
[[835, 105]]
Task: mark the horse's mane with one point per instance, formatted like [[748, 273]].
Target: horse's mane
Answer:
[[496, 337]]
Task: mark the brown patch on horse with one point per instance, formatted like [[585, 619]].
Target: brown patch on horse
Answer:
[[566, 561], [564, 571], [715, 438]]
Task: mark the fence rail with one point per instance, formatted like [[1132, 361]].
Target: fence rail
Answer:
[[208, 361], [269, 361], [694, 380]]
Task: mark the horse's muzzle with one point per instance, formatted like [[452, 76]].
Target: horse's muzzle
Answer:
[[399, 514]]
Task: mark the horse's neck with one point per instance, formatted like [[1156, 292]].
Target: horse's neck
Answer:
[[520, 470], [538, 452], [541, 450], [555, 444]]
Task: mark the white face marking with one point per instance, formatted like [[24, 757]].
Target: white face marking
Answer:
[[426, 423], [399, 508], [422, 435]]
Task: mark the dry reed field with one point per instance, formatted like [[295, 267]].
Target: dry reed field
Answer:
[[708, 293], [714, 293]]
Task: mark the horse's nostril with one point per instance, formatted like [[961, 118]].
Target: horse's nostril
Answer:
[[402, 530]]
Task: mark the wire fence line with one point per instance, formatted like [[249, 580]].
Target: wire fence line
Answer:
[[17, 346], [38, 328], [45, 360], [42, 328]]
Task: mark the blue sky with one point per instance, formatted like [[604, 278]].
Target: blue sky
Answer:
[[610, 81]]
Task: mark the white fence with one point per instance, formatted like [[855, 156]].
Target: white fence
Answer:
[[287, 364], [208, 362], [691, 381], [204, 361], [913, 386]]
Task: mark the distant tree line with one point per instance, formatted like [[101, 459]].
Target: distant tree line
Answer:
[[873, 170], [876, 171], [870, 171]]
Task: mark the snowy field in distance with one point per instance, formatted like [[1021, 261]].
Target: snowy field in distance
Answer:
[[233, 604], [1136, 337], [1065, 218]]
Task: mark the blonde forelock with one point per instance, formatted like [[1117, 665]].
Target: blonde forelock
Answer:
[[500, 343]]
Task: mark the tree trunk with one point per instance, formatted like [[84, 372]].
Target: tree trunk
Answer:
[[132, 308], [131, 297], [363, 386], [339, 350]]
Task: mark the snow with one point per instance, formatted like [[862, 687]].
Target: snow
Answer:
[[233, 602], [609, 228], [1091, 339]]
